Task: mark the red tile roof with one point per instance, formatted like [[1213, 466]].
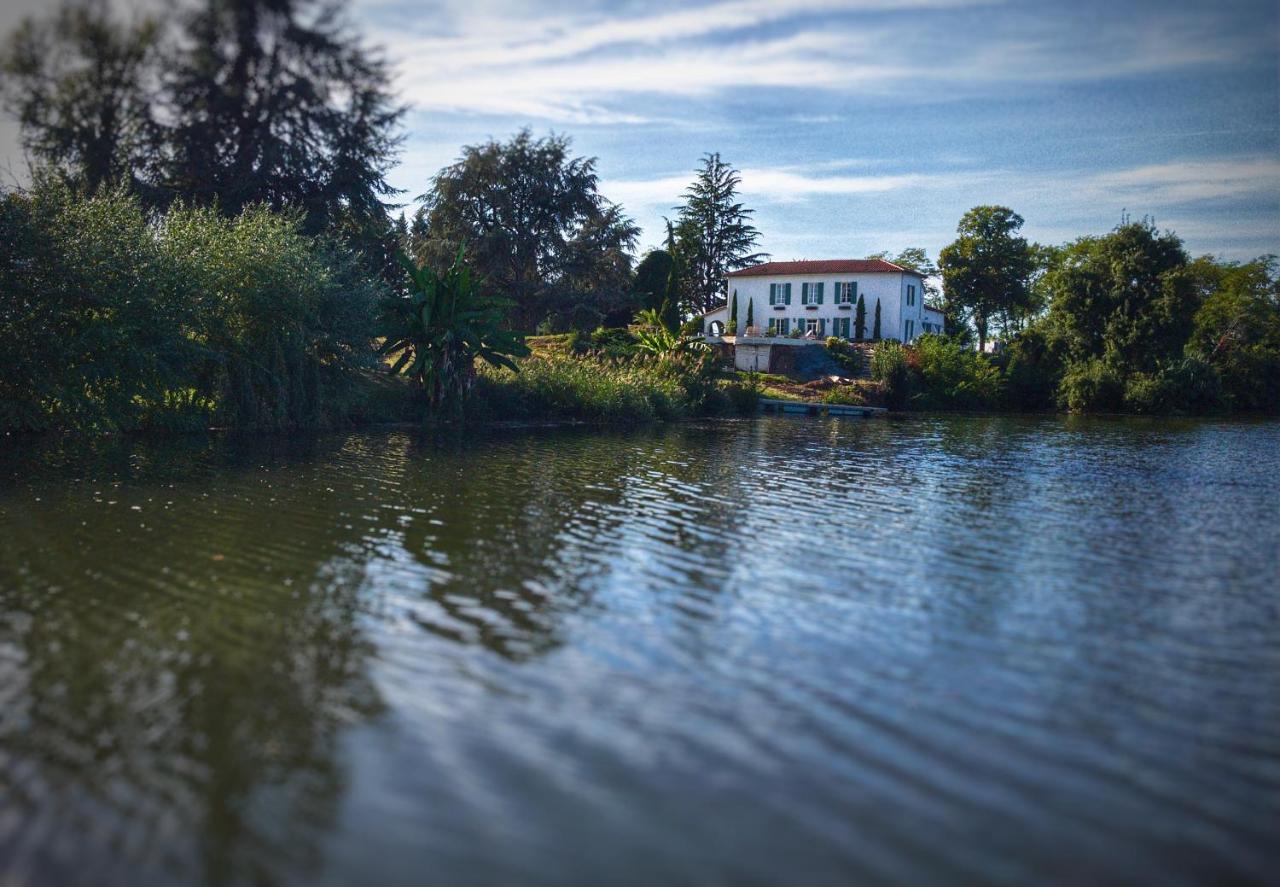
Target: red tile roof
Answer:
[[824, 266]]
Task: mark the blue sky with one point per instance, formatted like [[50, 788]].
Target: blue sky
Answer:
[[864, 125]]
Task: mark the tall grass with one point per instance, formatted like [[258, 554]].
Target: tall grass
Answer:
[[607, 391]]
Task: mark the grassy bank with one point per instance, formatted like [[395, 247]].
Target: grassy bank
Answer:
[[607, 390]]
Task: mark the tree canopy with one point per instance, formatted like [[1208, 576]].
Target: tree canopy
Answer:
[[714, 232], [227, 104], [916, 258], [987, 270], [535, 227], [79, 85], [651, 278]]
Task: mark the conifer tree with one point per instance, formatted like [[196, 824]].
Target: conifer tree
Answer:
[[717, 232], [751, 319], [860, 319], [732, 327], [875, 329], [278, 103]]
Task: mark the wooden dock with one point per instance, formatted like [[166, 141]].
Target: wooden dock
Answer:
[[772, 405]]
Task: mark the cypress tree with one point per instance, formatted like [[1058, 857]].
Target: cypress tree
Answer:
[[732, 326], [875, 329], [751, 319], [670, 310], [860, 319]]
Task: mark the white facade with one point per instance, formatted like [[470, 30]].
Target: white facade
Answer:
[[822, 297], [933, 320]]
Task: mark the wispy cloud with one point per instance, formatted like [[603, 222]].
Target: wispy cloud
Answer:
[[1194, 180], [1059, 205], [582, 67]]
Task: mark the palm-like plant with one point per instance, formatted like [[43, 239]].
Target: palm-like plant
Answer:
[[653, 337], [441, 327]]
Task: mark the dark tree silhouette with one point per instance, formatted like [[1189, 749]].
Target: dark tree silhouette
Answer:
[[715, 233]]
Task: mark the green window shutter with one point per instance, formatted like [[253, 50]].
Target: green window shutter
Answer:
[[787, 291], [822, 327], [782, 325], [853, 292], [819, 286]]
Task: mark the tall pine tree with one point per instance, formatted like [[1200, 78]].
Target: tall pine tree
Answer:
[[716, 233], [76, 83], [860, 319], [274, 102]]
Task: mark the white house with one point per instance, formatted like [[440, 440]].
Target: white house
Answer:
[[820, 298], [933, 320]]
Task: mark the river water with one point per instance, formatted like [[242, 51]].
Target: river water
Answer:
[[784, 650]]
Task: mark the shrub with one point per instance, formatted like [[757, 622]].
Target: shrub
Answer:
[[743, 399], [844, 354], [1237, 331], [953, 376], [1189, 385], [1032, 369], [114, 322], [1091, 385], [845, 394], [889, 367], [611, 342]]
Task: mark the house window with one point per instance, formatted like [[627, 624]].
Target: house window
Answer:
[[911, 330], [846, 293], [777, 326], [811, 293], [811, 325], [779, 294], [840, 327], [911, 294]]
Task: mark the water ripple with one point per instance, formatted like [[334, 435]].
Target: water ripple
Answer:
[[991, 650]]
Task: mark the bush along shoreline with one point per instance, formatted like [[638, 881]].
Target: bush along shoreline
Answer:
[[1133, 325], [236, 262], [119, 319]]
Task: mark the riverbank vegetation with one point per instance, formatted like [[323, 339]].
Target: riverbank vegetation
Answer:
[[113, 320], [1123, 322], [217, 247]]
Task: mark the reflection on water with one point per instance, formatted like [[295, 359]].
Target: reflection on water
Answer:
[[945, 649]]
